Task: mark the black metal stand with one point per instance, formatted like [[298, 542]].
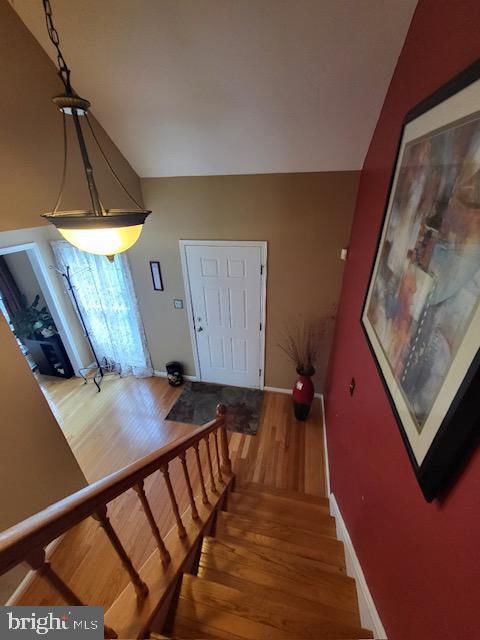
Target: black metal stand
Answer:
[[99, 368]]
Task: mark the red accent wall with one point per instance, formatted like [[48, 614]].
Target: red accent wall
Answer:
[[421, 561]]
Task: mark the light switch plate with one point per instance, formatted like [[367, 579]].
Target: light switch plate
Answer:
[[177, 303]]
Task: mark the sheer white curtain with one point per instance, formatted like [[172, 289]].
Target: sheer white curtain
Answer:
[[109, 307]]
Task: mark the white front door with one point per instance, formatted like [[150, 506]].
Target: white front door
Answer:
[[226, 298]]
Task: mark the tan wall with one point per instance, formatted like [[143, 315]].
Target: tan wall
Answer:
[[31, 154], [37, 465], [304, 217], [31, 151]]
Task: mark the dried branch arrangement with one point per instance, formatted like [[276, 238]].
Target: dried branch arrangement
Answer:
[[302, 342]]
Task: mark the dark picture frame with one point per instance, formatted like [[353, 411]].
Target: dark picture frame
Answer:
[[156, 274], [441, 439]]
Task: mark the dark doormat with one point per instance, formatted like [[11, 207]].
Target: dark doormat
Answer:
[[199, 400]]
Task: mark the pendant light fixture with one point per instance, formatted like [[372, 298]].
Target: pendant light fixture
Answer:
[[98, 230]]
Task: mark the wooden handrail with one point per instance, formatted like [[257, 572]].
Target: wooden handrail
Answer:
[[19, 542]]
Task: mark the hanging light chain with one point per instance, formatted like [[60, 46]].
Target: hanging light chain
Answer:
[[63, 70]]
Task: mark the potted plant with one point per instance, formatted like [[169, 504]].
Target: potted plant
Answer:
[[35, 329], [31, 323], [302, 343]]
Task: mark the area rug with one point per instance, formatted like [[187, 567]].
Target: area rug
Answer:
[[199, 400]]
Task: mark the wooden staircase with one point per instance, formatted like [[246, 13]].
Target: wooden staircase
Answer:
[[253, 563], [273, 569]]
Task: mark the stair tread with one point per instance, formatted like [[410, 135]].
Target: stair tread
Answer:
[[298, 516], [313, 526], [268, 500], [268, 522], [278, 550], [284, 591], [305, 543], [291, 557], [244, 614], [246, 551], [277, 570], [261, 489]]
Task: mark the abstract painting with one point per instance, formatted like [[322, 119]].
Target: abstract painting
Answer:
[[422, 310]]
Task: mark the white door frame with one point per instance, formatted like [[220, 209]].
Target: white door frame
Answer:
[[43, 276], [262, 244]]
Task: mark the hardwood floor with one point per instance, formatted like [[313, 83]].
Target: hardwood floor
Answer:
[[111, 429], [285, 454], [125, 421]]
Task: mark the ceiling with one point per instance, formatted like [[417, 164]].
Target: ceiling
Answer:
[[205, 87]]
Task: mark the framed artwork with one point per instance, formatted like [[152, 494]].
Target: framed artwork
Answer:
[[156, 275], [421, 314]]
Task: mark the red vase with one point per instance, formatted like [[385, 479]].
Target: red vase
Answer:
[[303, 393]]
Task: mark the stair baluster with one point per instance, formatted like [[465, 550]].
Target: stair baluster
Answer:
[[140, 490], [140, 587], [39, 563], [210, 466], [219, 464], [181, 529], [193, 506], [200, 473], [227, 465], [27, 540], [221, 414]]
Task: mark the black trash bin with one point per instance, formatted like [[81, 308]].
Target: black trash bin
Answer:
[[174, 373]]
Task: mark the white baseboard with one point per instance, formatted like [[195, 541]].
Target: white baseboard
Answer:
[[281, 390], [368, 612], [325, 449], [163, 374], [28, 579]]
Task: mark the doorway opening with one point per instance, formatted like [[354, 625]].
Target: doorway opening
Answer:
[[31, 314]]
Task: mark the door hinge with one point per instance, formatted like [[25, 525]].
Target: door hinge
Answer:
[[259, 373], [261, 326], [261, 269]]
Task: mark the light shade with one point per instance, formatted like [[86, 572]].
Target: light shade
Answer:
[[106, 235], [104, 242]]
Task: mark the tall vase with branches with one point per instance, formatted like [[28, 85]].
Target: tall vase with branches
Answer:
[[302, 342]]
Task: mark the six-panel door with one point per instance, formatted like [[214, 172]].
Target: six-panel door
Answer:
[[225, 286]]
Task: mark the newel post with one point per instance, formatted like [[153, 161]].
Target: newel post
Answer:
[[221, 414]]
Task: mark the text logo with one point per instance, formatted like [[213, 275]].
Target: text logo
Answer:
[[25, 623]]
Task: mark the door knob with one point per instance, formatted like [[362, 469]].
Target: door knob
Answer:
[[200, 329]]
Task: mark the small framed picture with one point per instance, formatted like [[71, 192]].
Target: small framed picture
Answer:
[[156, 275]]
